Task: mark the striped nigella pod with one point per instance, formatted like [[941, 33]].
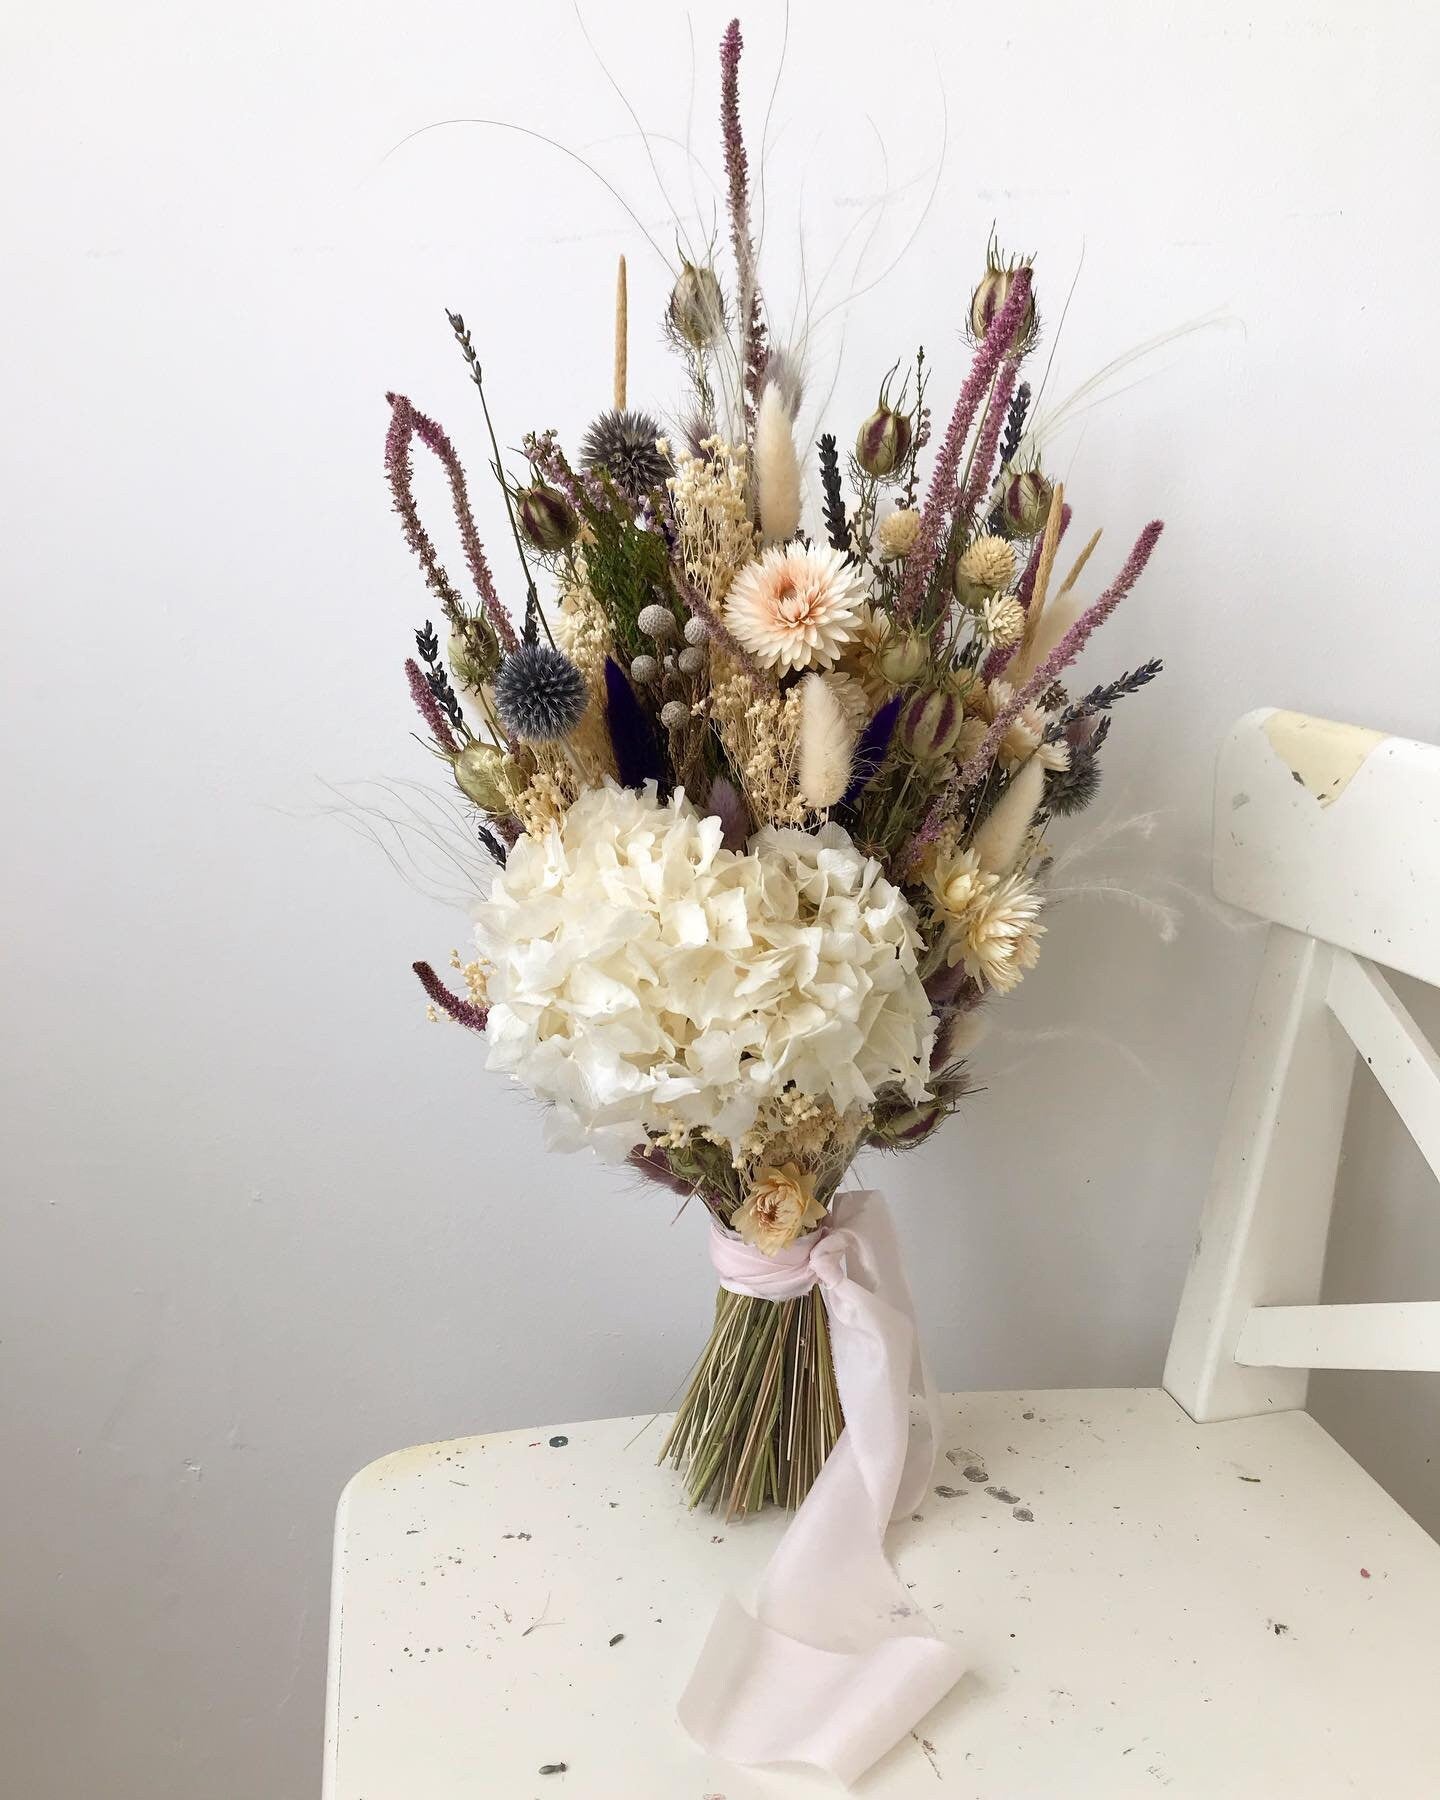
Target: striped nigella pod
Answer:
[[910, 1125], [930, 724]]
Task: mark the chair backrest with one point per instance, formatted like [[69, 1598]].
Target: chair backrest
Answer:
[[1332, 835]]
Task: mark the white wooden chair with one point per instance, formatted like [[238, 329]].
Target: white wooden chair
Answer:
[[1226, 1608]]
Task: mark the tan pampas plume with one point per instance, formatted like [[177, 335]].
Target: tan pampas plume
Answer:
[[826, 742], [777, 469], [622, 337], [1002, 836]]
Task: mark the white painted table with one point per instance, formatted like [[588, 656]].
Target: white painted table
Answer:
[[1149, 1605]]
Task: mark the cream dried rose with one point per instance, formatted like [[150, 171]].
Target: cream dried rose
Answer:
[[780, 1205]]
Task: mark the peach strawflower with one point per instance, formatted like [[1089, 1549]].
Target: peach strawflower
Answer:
[[780, 1205], [795, 608]]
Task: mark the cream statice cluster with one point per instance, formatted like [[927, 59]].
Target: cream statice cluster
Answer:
[[652, 983]]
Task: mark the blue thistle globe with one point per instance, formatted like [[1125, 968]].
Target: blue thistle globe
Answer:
[[539, 694], [623, 445]]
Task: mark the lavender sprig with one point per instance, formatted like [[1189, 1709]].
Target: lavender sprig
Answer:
[[1015, 424], [837, 526], [1101, 699]]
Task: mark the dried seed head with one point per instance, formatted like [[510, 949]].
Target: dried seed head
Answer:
[[929, 724], [1025, 503], [658, 622], [883, 442], [547, 518], [644, 670], [480, 776], [697, 307], [696, 631], [691, 660], [674, 714], [624, 446], [990, 297], [539, 694]]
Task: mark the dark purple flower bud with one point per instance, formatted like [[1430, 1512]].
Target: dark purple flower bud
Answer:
[[547, 518], [883, 442]]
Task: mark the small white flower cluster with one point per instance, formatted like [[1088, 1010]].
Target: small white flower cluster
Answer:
[[639, 973]]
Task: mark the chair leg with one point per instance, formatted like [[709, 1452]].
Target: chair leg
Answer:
[[1262, 1237]]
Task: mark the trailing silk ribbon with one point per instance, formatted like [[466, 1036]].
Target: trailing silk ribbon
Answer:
[[836, 1663]]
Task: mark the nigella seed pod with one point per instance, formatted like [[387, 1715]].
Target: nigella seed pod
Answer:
[[539, 694], [990, 296], [1025, 503], [547, 518], [480, 776], [911, 1125], [697, 307], [883, 442], [930, 724], [903, 658]]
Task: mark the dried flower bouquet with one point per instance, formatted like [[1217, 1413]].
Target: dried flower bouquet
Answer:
[[769, 801]]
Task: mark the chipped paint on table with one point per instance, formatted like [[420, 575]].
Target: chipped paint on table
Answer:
[[1115, 1572]]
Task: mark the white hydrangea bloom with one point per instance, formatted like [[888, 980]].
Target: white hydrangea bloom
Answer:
[[640, 973]]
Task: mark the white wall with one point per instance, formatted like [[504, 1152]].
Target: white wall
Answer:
[[263, 1223]]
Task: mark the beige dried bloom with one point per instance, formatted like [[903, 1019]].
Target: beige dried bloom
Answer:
[[987, 567], [1001, 621], [717, 534], [874, 629], [760, 729], [896, 533], [854, 701], [999, 939], [780, 1205]]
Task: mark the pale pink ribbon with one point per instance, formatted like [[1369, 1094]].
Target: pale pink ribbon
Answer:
[[836, 1663]]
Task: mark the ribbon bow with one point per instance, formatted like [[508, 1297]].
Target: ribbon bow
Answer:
[[836, 1663]]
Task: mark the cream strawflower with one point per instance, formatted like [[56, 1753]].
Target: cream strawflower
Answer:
[[896, 534], [780, 1205], [642, 977], [1001, 621], [986, 567], [957, 882], [999, 938], [795, 608]]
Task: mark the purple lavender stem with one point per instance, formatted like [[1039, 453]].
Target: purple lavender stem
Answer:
[[737, 175], [463, 1012], [944, 480], [1060, 658], [429, 707], [406, 422], [982, 464]]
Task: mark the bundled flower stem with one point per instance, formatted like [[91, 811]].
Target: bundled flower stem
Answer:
[[767, 800]]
